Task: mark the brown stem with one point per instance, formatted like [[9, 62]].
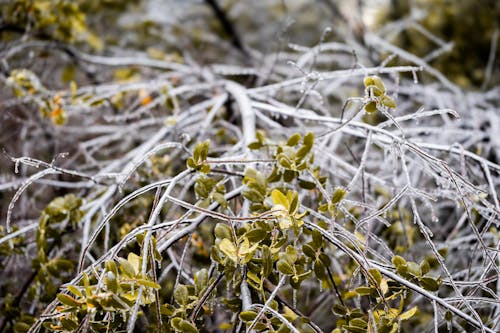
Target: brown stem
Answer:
[[205, 296], [227, 26]]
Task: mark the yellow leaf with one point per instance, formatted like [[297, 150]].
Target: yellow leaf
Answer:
[[384, 287], [290, 314], [156, 53], [360, 236], [245, 247], [280, 199], [408, 314], [284, 220], [135, 261], [227, 247], [393, 313]]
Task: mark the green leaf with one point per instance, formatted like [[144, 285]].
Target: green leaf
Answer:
[[414, 268], [187, 327], [293, 140], [375, 83], [21, 327], [283, 329], [167, 310], [248, 316], [67, 300], [68, 324], [284, 267], [375, 273], [190, 163], [183, 326], [289, 175], [304, 276], [126, 267], [319, 269], [111, 266], [293, 199], [388, 101], [325, 259], [317, 239], [425, 267], [339, 310], [306, 185], [256, 235], [291, 254], [276, 246], [202, 188], [253, 195], [398, 261], [148, 283], [309, 251], [309, 140], [205, 168], [201, 280], [284, 161], [255, 145], [181, 294], [111, 282], [267, 261], [443, 252], [64, 264], [275, 175], [52, 269], [363, 291], [200, 152], [86, 283], [253, 279], [338, 195], [302, 153], [369, 81], [219, 198], [371, 107], [222, 231], [403, 271], [358, 322], [429, 283], [355, 329], [75, 290]]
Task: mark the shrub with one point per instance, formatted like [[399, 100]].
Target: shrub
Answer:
[[204, 183]]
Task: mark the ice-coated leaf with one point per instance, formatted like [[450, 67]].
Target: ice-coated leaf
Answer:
[[229, 249], [408, 314], [280, 199]]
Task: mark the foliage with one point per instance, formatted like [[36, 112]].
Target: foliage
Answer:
[[466, 63], [196, 175]]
